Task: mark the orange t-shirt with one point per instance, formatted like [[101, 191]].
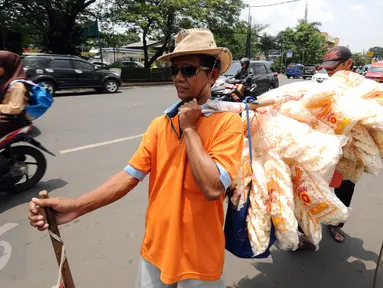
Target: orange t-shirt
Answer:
[[184, 236]]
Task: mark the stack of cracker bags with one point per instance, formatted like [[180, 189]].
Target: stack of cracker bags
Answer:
[[298, 144]]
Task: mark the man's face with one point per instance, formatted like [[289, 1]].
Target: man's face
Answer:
[[243, 65], [190, 87], [345, 66]]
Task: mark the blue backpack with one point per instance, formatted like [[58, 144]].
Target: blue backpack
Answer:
[[237, 237], [40, 99]]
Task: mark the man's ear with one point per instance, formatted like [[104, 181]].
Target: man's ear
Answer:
[[213, 76], [349, 63]]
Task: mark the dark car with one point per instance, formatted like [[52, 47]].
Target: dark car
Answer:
[[309, 71], [60, 72], [265, 76]]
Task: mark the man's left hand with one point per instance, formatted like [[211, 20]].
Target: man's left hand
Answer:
[[189, 114]]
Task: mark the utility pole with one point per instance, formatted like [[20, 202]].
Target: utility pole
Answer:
[[306, 11], [248, 41]]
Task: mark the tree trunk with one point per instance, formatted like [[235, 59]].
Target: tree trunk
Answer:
[[145, 46], [167, 38]]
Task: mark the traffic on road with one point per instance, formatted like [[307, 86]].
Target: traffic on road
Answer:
[[154, 144]]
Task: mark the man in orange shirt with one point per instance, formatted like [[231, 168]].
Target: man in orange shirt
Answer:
[[191, 158]]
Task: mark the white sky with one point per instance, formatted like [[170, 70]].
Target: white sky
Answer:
[[357, 23]]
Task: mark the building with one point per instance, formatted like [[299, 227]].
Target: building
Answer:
[[331, 42]]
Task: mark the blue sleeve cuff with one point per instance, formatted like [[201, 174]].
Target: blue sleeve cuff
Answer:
[[135, 173], [224, 176]]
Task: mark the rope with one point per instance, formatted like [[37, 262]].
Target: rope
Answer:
[[63, 258]]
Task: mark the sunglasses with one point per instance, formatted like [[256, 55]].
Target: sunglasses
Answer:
[[187, 70]]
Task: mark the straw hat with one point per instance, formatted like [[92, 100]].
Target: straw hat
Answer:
[[199, 41]]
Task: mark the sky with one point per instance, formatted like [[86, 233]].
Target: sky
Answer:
[[357, 23]]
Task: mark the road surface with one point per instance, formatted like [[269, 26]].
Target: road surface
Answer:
[[93, 137]]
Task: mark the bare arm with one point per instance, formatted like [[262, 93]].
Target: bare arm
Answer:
[[112, 190], [204, 169]]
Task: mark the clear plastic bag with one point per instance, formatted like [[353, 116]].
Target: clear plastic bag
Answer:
[[258, 219], [315, 194], [282, 205], [366, 150], [311, 227]]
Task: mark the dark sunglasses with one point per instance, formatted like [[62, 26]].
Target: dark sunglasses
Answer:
[[187, 70]]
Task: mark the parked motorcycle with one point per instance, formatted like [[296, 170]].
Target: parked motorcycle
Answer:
[[16, 161], [233, 90]]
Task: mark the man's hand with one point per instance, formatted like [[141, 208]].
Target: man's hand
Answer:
[[189, 113], [65, 211]]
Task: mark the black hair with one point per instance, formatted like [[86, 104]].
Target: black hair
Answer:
[[210, 62]]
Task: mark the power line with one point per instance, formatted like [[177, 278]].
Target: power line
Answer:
[[274, 4]]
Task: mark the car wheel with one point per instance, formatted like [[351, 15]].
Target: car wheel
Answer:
[[111, 86], [304, 78], [288, 77], [49, 86], [271, 87]]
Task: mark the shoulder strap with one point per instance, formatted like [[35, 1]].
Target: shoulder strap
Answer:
[[24, 81]]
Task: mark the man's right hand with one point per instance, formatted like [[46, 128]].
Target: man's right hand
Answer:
[[65, 211]]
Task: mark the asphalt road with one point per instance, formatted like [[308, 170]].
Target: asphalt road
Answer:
[[93, 137]]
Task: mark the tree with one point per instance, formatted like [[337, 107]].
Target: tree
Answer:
[[306, 42], [117, 40], [55, 22], [266, 43], [359, 59], [309, 42], [378, 52], [162, 19]]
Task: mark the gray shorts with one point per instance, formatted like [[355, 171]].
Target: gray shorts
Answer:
[[149, 277]]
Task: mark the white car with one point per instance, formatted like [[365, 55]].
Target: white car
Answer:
[[320, 76]]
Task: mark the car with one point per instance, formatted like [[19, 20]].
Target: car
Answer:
[[265, 76], [101, 65], [294, 70], [59, 72], [375, 72], [320, 76], [309, 71], [132, 64]]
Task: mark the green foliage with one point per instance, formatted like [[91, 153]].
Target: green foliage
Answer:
[[118, 40], [54, 22], [360, 59], [378, 52], [162, 19], [306, 42]]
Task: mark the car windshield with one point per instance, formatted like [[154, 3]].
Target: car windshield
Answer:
[[376, 69], [233, 69]]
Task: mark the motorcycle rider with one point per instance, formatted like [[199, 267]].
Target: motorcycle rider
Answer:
[[245, 72], [12, 99], [245, 75]]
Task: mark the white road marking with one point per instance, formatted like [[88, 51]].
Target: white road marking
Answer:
[[100, 144], [7, 247]]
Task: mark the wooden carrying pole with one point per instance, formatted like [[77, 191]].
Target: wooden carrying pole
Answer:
[[49, 215]]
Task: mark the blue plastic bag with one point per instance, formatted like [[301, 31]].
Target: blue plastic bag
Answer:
[[237, 236], [40, 99]]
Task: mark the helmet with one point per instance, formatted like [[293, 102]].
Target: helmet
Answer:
[[246, 61]]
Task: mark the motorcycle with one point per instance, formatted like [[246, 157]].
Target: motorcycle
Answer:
[[15, 163], [233, 90]]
